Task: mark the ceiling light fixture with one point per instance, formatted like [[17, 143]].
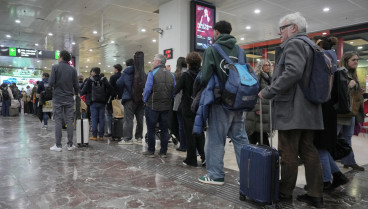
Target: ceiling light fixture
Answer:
[[99, 63], [36, 44], [114, 59], [324, 33], [70, 18], [50, 34], [8, 36], [248, 27], [242, 38], [91, 50], [10, 65], [112, 42], [45, 67], [87, 60], [154, 40], [326, 9], [108, 66], [85, 71], [38, 60], [73, 43], [17, 21], [87, 66], [257, 11], [149, 62], [360, 47], [143, 30], [95, 32], [123, 63], [1, 45], [351, 42]]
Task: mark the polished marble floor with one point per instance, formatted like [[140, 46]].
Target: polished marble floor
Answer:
[[108, 175]]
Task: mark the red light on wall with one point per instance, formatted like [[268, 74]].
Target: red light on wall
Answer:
[[168, 53]]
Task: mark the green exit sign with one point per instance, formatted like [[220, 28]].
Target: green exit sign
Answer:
[[12, 51], [57, 55]]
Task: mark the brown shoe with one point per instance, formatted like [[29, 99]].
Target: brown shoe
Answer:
[[92, 138], [100, 138]]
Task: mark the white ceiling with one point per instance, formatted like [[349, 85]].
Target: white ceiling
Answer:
[[124, 19]]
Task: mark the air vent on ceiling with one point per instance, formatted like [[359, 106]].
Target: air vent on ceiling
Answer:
[[157, 11]]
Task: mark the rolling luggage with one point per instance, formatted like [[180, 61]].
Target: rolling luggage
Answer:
[[13, 111], [82, 132], [117, 128], [259, 171]]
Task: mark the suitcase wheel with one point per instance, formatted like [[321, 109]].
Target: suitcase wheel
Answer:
[[242, 197]]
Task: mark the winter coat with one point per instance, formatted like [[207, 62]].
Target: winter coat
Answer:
[[209, 96], [290, 109], [252, 119], [185, 85], [87, 88], [125, 84], [179, 95]]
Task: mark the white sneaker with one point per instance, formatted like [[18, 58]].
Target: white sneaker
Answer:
[[71, 148], [44, 127], [139, 140], [123, 142], [55, 148]]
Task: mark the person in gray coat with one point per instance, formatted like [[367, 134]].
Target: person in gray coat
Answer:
[[293, 115], [264, 75]]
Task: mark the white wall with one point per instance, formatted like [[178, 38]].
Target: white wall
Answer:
[[175, 13]]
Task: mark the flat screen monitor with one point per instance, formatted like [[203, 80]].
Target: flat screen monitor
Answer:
[[202, 21]]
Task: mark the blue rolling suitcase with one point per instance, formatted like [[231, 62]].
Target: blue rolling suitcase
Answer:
[[259, 172]]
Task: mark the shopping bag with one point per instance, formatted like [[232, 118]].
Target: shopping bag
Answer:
[[117, 108]]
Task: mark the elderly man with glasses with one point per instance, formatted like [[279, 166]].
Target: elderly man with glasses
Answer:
[[294, 116]]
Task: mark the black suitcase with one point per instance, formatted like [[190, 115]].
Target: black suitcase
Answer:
[[117, 128]]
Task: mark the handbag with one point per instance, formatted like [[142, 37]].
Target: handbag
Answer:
[[355, 100], [342, 149], [117, 108]]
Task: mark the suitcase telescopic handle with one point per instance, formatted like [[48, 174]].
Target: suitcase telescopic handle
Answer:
[[261, 121]]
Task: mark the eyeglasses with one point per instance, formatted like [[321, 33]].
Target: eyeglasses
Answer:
[[284, 26]]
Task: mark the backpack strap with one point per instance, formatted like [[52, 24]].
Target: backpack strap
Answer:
[[227, 58], [307, 40]]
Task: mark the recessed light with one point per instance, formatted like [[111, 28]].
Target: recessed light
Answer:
[[104, 70], [91, 50], [1, 45], [95, 32], [114, 59], [50, 34], [17, 21], [8, 36], [326, 9], [99, 63], [85, 71], [38, 60], [149, 62], [143, 30], [154, 40], [112, 42], [10, 65], [70, 18], [360, 47], [351, 42], [324, 33], [87, 66], [87, 60], [123, 63], [36, 44], [242, 38], [45, 67], [257, 11], [73, 43], [258, 60], [248, 27], [108, 66]]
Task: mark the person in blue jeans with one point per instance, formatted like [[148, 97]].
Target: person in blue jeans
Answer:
[[349, 63], [222, 123], [99, 87], [41, 88], [7, 96], [158, 93]]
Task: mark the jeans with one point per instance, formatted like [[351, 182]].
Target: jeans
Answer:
[[347, 133], [5, 108], [108, 118], [223, 123], [152, 118], [183, 143], [45, 118], [131, 109], [63, 110], [98, 118], [291, 144], [328, 165]]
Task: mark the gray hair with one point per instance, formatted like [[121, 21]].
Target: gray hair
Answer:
[[258, 68], [297, 19], [161, 57]]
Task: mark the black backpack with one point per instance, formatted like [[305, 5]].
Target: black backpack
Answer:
[[140, 77], [98, 91], [5, 93], [341, 92], [47, 93]]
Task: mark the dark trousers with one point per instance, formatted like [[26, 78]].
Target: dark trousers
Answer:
[[193, 142], [294, 143], [256, 138], [130, 109], [152, 118]]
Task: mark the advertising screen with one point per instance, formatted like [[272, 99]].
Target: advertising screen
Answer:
[[202, 20]]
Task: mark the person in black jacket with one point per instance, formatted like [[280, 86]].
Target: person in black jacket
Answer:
[[193, 142], [98, 87]]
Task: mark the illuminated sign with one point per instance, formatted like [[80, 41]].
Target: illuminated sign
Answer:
[[57, 54], [168, 53], [12, 51], [30, 53]]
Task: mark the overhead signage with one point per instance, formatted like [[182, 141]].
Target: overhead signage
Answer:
[[30, 53], [48, 54], [168, 53], [12, 51]]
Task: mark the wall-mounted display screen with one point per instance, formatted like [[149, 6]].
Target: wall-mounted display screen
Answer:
[[202, 22]]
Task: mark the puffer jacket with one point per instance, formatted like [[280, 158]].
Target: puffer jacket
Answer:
[[125, 83], [252, 119], [209, 96]]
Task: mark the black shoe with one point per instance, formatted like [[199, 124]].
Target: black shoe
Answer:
[[327, 187], [284, 198], [108, 135], [181, 150], [189, 164], [338, 179], [355, 167], [313, 201]]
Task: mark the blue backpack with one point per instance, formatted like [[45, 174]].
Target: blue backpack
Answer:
[[321, 79], [241, 89]]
